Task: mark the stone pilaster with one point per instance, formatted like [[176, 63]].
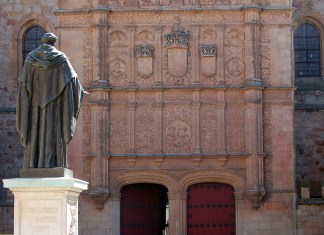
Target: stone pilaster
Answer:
[[254, 145]]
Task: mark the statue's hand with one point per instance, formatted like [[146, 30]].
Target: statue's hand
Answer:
[[86, 93]]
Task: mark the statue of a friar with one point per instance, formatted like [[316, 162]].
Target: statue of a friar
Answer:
[[48, 105]]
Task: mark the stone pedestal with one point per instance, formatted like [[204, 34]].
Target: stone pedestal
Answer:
[[46, 205]]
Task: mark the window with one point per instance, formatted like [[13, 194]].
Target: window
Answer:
[[32, 39], [307, 51]]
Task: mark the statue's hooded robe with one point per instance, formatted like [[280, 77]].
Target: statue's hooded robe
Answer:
[[48, 104]]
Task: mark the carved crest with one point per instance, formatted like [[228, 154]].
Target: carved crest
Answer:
[[177, 43], [235, 67], [178, 134], [144, 61], [117, 68], [208, 60]]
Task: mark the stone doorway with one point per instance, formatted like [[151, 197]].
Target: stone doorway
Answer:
[[211, 209], [143, 209]]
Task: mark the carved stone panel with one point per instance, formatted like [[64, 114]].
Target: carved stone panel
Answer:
[[235, 128], [209, 128], [144, 55], [118, 129], [177, 50], [117, 66], [235, 70], [144, 129], [117, 38], [265, 55], [208, 60], [208, 35], [234, 54], [177, 129], [145, 36]]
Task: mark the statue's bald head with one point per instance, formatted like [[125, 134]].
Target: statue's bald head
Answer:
[[49, 38]]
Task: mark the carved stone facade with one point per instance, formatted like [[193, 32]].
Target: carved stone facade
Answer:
[[182, 92]]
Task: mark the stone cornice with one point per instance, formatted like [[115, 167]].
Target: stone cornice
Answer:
[[198, 9], [171, 9], [82, 11]]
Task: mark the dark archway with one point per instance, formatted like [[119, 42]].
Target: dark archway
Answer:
[[143, 209], [211, 209]]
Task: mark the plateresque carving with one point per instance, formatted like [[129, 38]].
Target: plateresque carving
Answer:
[[208, 60], [144, 61], [177, 43]]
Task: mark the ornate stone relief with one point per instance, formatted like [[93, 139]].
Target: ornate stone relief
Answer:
[[72, 216], [117, 37], [177, 45], [234, 54], [209, 36], [144, 55], [267, 141], [118, 55], [234, 37], [218, 2], [265, 56], [235, 67], [118, 129], [145, 3], [145, 36], [130, 3], [208, 60], [177, 126], [117, 68], [235, 124], [178, 134], [209, 128], [76, 20], [150, 3], [88, 57], [145, 129]]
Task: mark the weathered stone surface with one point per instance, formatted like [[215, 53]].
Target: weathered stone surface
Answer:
[[219, 115]]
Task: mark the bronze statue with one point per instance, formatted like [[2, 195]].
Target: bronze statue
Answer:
[[48, 105]]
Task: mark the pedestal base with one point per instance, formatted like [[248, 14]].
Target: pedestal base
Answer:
[[45, 172], [46, 205]]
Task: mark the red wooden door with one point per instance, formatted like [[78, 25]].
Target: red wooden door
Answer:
[[211, 209], [142, 209]]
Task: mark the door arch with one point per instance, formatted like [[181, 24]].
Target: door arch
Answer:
[[210, 209]]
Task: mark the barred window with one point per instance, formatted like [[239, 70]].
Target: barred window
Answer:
[[32, 39], [307, 51]]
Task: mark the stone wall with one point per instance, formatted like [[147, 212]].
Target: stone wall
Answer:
[[309, 96], [309, 128], [310, 219]]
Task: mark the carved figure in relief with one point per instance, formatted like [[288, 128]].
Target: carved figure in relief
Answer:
[[209, 35], [145, 35], [235, 67], [118, 37], [48, 105], [234, 36], [117, 68], [178, 134]]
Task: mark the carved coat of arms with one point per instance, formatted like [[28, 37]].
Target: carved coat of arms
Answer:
[[144, 61], [177, 43], [208, 60]]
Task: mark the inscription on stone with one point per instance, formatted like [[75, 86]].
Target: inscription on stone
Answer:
[[41, 217]]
